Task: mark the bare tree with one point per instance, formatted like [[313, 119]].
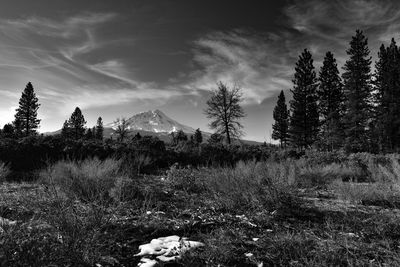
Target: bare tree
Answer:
[[121, 128], [225, 110]]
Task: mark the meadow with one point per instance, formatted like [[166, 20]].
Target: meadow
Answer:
[[322, 209]]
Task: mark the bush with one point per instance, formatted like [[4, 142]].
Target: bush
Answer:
[[323, 175], [249, 185], [4, 171], [90, 180]]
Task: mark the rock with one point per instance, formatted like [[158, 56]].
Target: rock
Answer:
[[165, 249], [145, 262], [6, 222]]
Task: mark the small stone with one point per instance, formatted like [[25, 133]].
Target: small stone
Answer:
[[144, 262]]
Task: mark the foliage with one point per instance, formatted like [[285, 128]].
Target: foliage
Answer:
[[357, 89], [122, 129], [198, 137], [224, 109], [26, 117], [387, 98], [90, 180], [99, 129], [75, 126], [281, 117], [304, 120], [330, 103]]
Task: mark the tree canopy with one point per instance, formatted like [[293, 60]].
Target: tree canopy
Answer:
[[224, 109]]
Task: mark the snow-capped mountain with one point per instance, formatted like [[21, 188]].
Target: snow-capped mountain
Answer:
[[154, 121]]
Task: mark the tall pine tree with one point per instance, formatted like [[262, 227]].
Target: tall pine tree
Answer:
[[198, 137], [357, 90], [304, 121], [387, 98], [26, 116], [99, 129], [330, 104], [281, 117], [76, 124]]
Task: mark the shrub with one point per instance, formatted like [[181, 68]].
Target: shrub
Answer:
[[323, 175], [315, 157], [4, 171], [89, 180], [249, 185]]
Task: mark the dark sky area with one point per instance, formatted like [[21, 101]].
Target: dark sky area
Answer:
[[117, 58]]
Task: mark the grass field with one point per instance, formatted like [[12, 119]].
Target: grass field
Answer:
[[280, 214]]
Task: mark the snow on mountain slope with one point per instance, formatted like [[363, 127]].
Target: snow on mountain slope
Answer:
[[154, 121]]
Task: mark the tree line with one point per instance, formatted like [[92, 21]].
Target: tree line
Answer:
[[357, 111]]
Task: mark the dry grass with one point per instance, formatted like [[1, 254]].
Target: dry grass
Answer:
[[90, 180], [249, 185], [223, 207]]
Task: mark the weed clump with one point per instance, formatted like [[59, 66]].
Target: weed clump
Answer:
[[90, 180]]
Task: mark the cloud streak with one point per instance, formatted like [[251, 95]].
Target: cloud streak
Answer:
[[61, 59], [240, 57]]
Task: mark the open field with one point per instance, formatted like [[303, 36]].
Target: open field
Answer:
[[91, 214]]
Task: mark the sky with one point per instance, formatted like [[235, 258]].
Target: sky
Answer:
[[118, 58]]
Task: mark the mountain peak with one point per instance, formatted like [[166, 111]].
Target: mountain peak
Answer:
[[155, 121]]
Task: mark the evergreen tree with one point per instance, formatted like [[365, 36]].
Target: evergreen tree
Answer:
[[89, 134], [17, 128], [99, 129], [198, 137], [27, 111], [76, 124], [137, 136], [8, 130], [65, 130], [357, 90], [387, 97], [304, 121], [181, 136], [281, 117], [330, 103]]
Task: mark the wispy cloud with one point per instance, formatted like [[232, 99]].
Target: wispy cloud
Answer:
[[61, 58], [329, 25], [248, 59]]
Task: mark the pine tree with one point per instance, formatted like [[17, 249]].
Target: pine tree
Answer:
[[65, 130], [181, 136], [76, 124], [357, 90], [387, 97], [27, 111], [137, 137], [99, 129], [89, 134], [198, 137], [8, 131], [18, 130], [330, 103], [304, 121], [281, 117]]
